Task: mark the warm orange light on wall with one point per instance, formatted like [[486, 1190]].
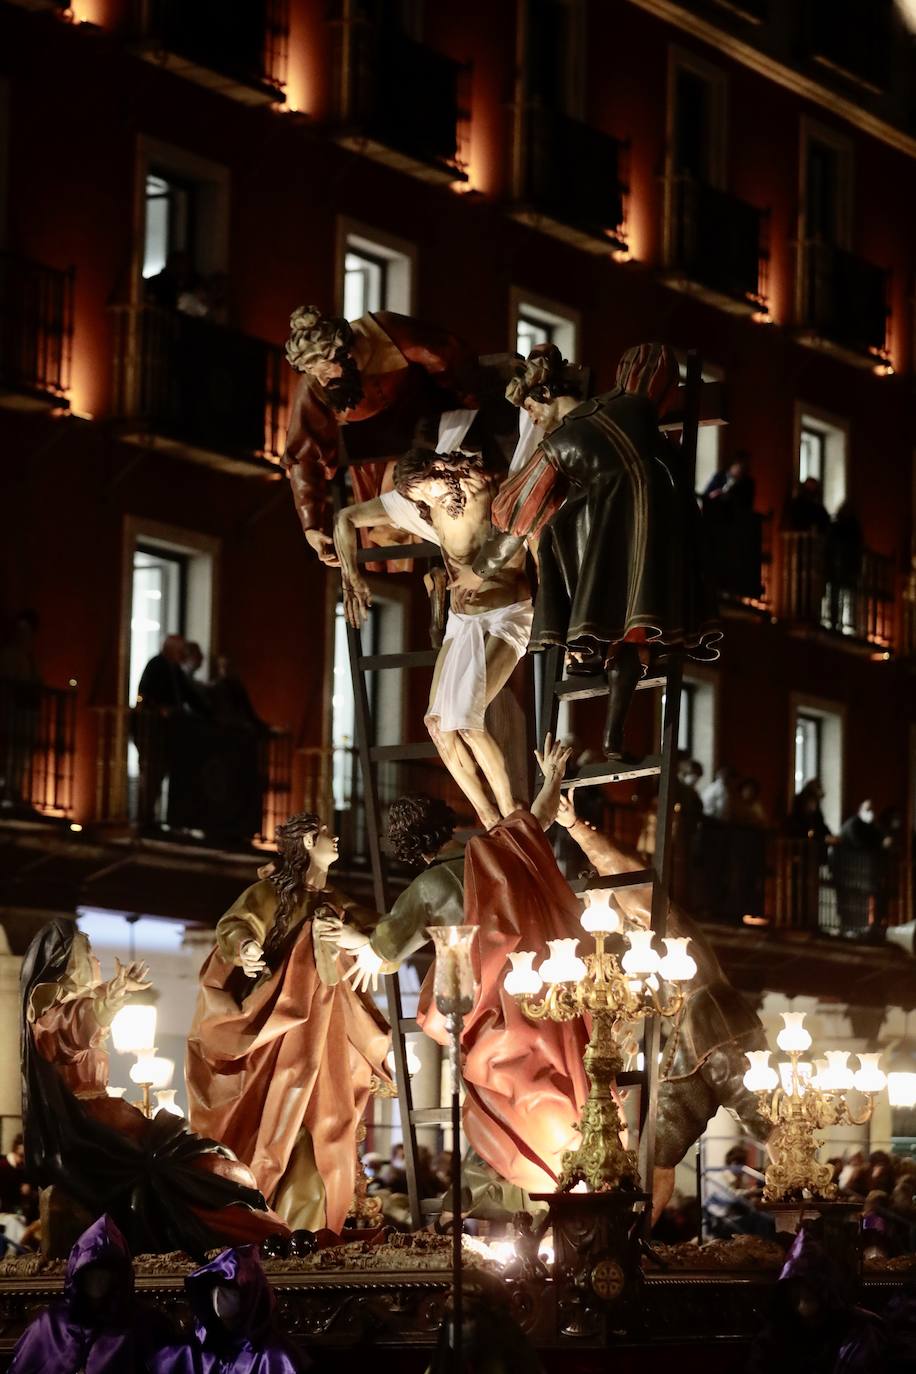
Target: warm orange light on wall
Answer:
[[88, 12]]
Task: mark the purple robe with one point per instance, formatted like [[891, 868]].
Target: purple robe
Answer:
[[255, 1346], [116, 1336]]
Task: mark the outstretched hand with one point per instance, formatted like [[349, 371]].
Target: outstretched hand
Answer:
[[365, 969], [128, 978], [357, 598], [554, 758]]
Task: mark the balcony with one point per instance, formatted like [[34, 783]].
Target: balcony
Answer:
[[190, 780], [36, 333], [192, 386], [238, 49], [844, 302], [859, 608], [716, 245], [400, 102], [570, 182], [37, 749]]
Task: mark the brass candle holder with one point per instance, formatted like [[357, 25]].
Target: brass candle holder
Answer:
[[801, 1098], [614, 986]]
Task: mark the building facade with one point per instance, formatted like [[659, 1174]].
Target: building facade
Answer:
[[731, 176]]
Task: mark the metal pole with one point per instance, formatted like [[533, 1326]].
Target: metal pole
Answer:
[[455, 1022]]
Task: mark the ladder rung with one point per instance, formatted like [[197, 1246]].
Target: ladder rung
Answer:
[[431, 1206], [637, 877], [431, 1116], [595, 685], [390, 553], [632, 1078], [418, 658], [409, 1025], [426, 750], [595, 773]]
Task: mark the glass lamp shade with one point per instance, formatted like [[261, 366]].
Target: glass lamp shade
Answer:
[[901, 1075], [523, 979], [562, 965], [599, 916], [153, 1070], [165, 1102], [794, 1038], [115, 1092], [133, 1029], [870, 1078], [761, 1077], [677, 966], [804, 1075], [455, 986], [836, 1075], [413, 1062], [640, 959]]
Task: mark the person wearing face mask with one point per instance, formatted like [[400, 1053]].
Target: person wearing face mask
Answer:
[[98, 1326], [283, 1050], [235, 1329], [857, 864]]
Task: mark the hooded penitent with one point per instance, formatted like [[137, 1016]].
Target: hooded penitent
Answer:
[[815, 1328], [247, 1342], [166, 1187], [97, 1327], [619, 549]]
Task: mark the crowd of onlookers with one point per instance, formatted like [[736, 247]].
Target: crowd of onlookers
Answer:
[[200, 746], [18, 1202], [179, 286]]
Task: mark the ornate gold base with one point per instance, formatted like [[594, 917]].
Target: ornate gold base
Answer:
[[601, 1161], [795, 1169]]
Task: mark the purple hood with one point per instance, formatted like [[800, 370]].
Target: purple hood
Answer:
[[254, 1347]]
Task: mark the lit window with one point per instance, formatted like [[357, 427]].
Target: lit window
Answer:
[[156, 610], [364, 285], [536, 321], [822, 449], [808, 760], [709, 437], [811, 455], [685, 724], [168, 222]]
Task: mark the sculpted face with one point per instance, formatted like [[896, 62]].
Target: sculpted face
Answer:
[[449, 484], [324, 370], [322, 848], [543, 413]]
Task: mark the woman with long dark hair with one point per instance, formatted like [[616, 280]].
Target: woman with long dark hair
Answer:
[[283, 1051], [165, 1187]]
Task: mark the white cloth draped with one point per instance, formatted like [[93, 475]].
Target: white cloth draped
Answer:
[[460, 700]]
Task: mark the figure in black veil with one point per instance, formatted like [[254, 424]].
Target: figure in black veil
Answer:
[[165, 1187]]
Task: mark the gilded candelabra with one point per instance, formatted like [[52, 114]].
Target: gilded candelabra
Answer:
[[614, 987], [801, 1098]]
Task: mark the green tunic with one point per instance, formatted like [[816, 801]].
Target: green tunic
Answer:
[[434, 898]]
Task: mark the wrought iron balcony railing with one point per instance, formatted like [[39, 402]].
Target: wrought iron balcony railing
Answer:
[[844, 299], [36, 329], [245, 41], [717, 241], [37, 748], [859, 604], [403, 96], [572, 174], [198, 385], [189, 779]]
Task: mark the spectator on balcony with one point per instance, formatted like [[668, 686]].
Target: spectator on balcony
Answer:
[[858, 866], [719, 797], [164, 694], [806, 512], [733, 528], [229, 700], [748, 808], [177, 279], [689, 773], [845, 548], [20, 708]]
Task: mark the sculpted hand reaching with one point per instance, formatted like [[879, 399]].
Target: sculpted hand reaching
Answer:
[[323, 545], [128, 978]]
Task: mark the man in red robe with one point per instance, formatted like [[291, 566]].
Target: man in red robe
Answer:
[[379, 376]]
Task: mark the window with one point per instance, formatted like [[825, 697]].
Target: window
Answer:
[[185, 209], [555, 51], [157, 607], [376, 271], [816, 751], [709, 437], [807, 749], [822, 189], [534, 320], [364, 284], [822, 443], [169, 224], [811, 454], [696, 119], [696, 724]]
